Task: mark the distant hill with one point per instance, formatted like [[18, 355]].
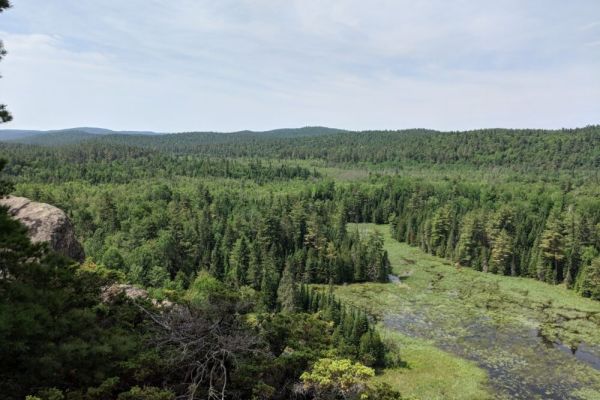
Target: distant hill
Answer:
[[295, 132], [11, 134], [517, 149], [55, 138], [149, 138], [70, 135]]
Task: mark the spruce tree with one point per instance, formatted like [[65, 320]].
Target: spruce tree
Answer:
[[288, 296], [372, 349], [269, 282], [572, 248], [552, 246], [238, 262], [502, 252], [590, 285]]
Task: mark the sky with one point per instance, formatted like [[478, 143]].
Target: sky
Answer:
[[227, 65]]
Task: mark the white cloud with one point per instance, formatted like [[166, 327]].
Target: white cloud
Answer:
[[261, 64]]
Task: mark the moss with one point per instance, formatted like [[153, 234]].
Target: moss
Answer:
[[430, 373]]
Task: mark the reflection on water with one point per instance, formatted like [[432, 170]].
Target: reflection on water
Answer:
[[583, 352], [521, 363]]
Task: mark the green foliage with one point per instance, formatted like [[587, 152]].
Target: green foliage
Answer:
[[207, 289], [545, 151], [372, 349], [288, 293], [97, 163], [382, 391], [236, 226], [331, 379], [590, 281], [146, 393], [113, 259], [353, 334], [517, 230], [52, 322]]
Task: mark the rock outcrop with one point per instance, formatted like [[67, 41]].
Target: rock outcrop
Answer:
[[45, 223], [111, 292]]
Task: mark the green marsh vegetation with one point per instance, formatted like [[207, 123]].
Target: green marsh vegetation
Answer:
[[525, 334]]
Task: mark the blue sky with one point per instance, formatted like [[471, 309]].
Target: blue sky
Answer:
[[229, 65]]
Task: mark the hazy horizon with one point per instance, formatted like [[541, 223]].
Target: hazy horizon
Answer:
[[242, 65], [166, 132]]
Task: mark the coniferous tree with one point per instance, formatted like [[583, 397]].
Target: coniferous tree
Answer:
[[502, 252], [572, 248], [440, 229], [552, 246], [269, 282], [590, 286], [239, 262], [372, 349], [467, 247], [288, 296]]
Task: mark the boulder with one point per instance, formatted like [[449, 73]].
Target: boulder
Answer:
[[46, 223]]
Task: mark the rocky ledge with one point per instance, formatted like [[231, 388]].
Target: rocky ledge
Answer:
[[45, 223]]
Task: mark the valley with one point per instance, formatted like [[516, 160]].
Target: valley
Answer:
[[509, 338], [294, 200], [405, 261]]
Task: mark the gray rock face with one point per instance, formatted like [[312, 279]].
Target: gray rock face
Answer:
[[45, 223]]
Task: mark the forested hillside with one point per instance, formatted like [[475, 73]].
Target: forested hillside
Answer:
[[565, 150], [189, 254], [241, 228], [545, 226], [246, 322], [551, 150]]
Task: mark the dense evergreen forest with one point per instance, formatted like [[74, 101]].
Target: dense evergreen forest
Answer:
[[565, 150], [246, 231], [545, 227], [311, 263]]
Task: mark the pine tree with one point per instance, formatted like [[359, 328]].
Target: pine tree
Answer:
[[552, 246], [466, 249], [310, 272], [268, 232], [572, 248], [590, 285], [239, 262], [254, 276], [298, 218], [360, 327], [440, 229], [288, 296], [348, 325], [217, 265], [268, 284], [314, 237], [372, 349], [502, 252], [340, 223]]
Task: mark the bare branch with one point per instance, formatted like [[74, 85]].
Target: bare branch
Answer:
[[205, 344]]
